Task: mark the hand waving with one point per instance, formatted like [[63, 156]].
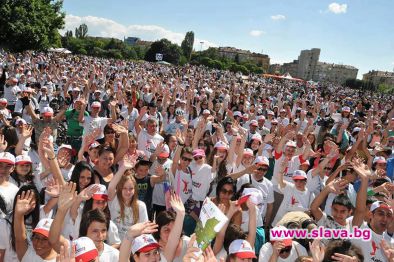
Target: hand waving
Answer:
[[24, 203], [177, 204], [52, 188], [142, 228], [67, 196], [3, 143]]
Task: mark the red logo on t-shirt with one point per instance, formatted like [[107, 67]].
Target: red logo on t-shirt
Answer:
[[374, 248], [293, 201], [184, 186]]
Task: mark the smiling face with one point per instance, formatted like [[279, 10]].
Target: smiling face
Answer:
[[41, 245], [85, 177], [23, 169], [380, 219]]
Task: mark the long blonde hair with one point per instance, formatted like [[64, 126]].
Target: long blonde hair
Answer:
[[128, 176]]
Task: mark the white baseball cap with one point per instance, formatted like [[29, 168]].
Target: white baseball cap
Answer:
[[96, 104], [43, 226], [291, 143], [3, 101], [380, 204], [85, 249], [20, 121], [206, 112], [221, 145], [241, 249], [101, 194], [299, 175], [255, 195], [237, 113], [7, 157], [47, 111], [379, 160], [144, 243], [65, 146], [22, 159], [94, 145], [261, 160], [248, 152]]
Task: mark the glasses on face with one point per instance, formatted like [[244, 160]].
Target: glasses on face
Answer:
[[227, 192], [263, 169], [300, 180], [187, 159], [198, 158], [110, 132], [285, 250]]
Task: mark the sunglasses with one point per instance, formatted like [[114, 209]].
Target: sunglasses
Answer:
[[110, 132], [262, 169], [300, 180], [187, 159], [229, 192], [197, 157]]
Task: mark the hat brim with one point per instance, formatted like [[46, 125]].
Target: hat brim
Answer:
[[198, 155], [100, 197], [7, 161], [88, 256], [299, 178], [164, 155], [47, 114], [221, 147], [245, 255], [41, 231], [23, 162], [148, 248]]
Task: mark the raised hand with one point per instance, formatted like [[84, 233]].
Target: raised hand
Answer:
[[344, 258], [119, 129], [67, 196], [177, 204], [361, 169], [27, 132], [88, 192], [191, 251], [66, 256], [317, 250], [142, 228], [24, 203], [269, 138], [52, 188], [143, 110], [388, 251], [126, 164], [277, 247], [3, 143], [337, 186]]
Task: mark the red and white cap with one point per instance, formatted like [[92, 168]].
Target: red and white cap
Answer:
[[165, 152], [22, 159], [306, 162], [253, 123], [237, 113], [101, 193], [274, 121], [20, 121], [380, 204], [255, 195], [245, 116], [206, 112], [198, 152], [3, 100], [85, 249], [299, 175], [379, 160], [282, 110], [96, 104], [221, 145], [76, 89], [7, 157], [291, 143], [241, 249], [43, 226], [65, 146], [94, 145], [288, 242], [144, 243], [261, 160], [257, 137], [248, 152], [47, 111], [269, 112]]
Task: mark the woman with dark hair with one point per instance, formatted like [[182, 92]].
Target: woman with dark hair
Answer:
[[94, 225], [172, 143], [83, 176], [23, 173], [11, 136], [337, 249], [225, 191]]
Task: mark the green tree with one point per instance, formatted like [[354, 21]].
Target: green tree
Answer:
[[30, 24], [171, 52], [68, 33], [187, 45]]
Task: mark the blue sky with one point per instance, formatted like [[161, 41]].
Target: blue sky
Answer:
[[351, 32]]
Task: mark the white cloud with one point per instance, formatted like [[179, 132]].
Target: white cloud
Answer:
[[256, 33], [337, 8], [104, 27], [278, 17]]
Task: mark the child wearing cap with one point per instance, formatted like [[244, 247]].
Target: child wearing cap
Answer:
[[126, 210], [23, 172], [296, 196], [240, 250], [7, 190]]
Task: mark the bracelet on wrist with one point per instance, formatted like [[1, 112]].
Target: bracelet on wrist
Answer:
[[53, 158], [129, 238]]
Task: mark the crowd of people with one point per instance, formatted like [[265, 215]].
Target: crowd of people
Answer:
[[111, 160]]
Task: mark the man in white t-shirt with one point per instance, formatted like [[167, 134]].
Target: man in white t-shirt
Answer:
[[148, 138], [202, 176], [11, 90]]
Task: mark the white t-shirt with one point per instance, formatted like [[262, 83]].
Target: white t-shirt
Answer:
[[92, 123], [148, 143], [294, 164], [201, 179], [10, 94], [158, 195], [182, 185], [31, 256], [5, 241], [8, 193], [293, 200], [245, 219], [371, 249], [266, 188], [67, 173], [131, 117], [128, 221], [315, 184], [297, 250], [109, 254]]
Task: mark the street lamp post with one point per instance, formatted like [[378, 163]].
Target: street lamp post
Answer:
[[201, 43]]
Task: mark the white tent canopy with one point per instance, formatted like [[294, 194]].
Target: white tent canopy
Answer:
[[59, 50]]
